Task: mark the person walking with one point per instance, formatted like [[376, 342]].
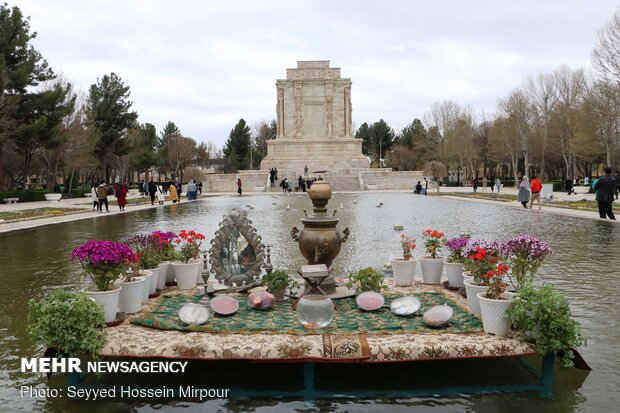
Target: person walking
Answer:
[[535, 187], [485, 182], [161, 197], [474, 184], [524, 191], [605, 188], [568, 185], [94, 196], [192, 191], [102, 195], [239, 189], [152, 190], [498, 184], [492, 180], [121, 196], [174, 195]]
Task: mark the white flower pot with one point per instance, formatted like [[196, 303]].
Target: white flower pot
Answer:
[[109, 301], [154, 280], [467, 276], [404, 272], [454, 273], [494, 320], [164, 269], [185, 274], [147, 274], [432, 268], [201, 267], [130, 299], [472, 291], [170, 275]]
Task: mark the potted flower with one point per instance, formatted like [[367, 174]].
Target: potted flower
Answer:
[[71, 323], [494, 302], [432, 264], [482, 257], [542, 316], [134, 287], [276, 283], [167, 254], [185, 272], [104, 262], [366, 279], [404, 268], [455, 261], [525, 254], [149, 248]]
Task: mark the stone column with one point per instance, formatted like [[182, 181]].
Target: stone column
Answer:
[[280, 112], [298, 96], [329, 108], [347, 111]]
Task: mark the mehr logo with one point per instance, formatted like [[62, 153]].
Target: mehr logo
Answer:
[[51, 365]]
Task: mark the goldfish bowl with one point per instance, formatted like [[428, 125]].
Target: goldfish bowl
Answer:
[[315, 311]]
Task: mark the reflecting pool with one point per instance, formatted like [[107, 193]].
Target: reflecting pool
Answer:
[[585, 266]]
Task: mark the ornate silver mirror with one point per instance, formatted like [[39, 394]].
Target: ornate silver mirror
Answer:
[[236, 254]]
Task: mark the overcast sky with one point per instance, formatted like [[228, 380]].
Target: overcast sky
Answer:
[[206, 64]]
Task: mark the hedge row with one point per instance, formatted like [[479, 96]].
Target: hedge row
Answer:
[[32, 195]]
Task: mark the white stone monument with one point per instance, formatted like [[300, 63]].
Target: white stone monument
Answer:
[[314, 122]]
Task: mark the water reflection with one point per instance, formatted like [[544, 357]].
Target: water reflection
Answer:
[[585, 266]]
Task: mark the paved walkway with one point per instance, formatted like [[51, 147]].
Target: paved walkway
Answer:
[[86, 203]]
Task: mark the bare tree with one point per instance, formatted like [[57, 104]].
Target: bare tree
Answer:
[[542, 94], [437, 170], [571, 88], [606, 53]]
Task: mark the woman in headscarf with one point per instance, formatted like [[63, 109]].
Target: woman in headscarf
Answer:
[[524, 191]]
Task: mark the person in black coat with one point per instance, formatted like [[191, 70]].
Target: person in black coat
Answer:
[[152, 188], [568, 184], [605, 188]]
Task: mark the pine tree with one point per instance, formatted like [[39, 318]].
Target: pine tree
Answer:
[[108, 107], [237, 147]]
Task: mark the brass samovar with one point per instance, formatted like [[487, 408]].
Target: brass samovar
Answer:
[[320, 241]]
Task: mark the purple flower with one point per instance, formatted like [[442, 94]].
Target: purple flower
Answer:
[[526, 246], [457, 244], [491, 246], [526, 255], [99, 252]]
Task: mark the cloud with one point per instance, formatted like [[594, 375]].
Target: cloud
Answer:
[[206, 64]]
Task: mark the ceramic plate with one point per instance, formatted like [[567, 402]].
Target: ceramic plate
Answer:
[[405, 306], [194, 314], [224, 305], [370, 301]]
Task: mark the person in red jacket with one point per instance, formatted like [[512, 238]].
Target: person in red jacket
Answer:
[[536, 187]]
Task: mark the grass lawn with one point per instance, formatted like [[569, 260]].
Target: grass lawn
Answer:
[[38, 213]]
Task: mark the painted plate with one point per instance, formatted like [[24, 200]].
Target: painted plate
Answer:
[[224, 305]]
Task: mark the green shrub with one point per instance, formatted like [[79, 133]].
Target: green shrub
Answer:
[[366, 279], [544, 318], [73, 322], [25, 196], [276, 280]]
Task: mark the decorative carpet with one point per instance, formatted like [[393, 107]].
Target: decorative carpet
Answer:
[[348, 319]]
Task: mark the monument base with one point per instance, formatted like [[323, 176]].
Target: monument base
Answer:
[[319, 154]]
